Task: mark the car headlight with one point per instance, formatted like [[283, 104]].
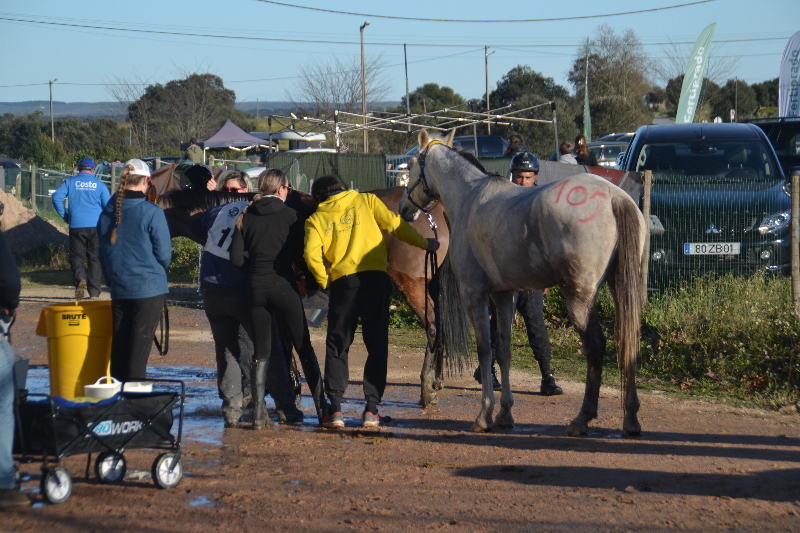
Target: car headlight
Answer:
[[775, 222]]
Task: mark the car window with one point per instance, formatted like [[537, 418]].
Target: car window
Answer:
[[707, 161], [491, 145]]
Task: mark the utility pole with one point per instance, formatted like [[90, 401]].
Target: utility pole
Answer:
[[408, 103], [52, 123], [488, 125], [364, 89]]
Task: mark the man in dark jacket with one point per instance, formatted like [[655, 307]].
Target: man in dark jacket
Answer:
[[10, 496], [87, 197]]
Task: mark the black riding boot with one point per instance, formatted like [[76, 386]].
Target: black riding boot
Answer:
[[258, 380], [314, 379], [495, 383], [548, 387]]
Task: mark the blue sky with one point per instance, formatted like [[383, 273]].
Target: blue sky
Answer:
[[85, 60]]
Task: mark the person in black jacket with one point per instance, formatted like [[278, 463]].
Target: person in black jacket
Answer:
[[583, 155], [10, 496], [272, 236]]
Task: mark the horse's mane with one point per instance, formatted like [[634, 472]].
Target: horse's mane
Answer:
[[195, 201], [472, 158], [474, 161]]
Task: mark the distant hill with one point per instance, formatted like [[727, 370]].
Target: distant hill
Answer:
[[114, 110]]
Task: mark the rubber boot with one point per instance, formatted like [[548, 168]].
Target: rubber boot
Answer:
[[549, 386], [258, 380], [314, 379], [495, 383]]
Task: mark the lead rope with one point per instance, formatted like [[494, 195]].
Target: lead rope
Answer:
[[431, 261], [163, 333]]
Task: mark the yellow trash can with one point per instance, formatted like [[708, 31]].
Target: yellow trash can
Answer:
[[78, 345]]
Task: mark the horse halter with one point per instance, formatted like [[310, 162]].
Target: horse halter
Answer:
[[422, 181]]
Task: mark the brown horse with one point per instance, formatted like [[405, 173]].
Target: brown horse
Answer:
[[406, 264]]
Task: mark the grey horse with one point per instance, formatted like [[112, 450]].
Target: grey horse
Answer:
[[576, 233]]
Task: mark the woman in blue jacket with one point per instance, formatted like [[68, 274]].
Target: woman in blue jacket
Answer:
[[135, 250]]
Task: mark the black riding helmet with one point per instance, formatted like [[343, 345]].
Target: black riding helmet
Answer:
[[526, 162], [198, 176]]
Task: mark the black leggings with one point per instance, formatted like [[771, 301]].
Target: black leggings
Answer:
[[135, 322], [281, 299]]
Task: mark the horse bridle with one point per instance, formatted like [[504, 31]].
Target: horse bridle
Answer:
[[424, 182]]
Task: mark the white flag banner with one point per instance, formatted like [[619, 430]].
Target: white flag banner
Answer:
[[789, 81]]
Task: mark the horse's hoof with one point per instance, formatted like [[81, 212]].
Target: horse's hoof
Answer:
[[575, 431], [479, 428], [505, 422], [631, 430]]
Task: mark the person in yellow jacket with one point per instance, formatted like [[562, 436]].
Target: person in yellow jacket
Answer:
[[346, 231]]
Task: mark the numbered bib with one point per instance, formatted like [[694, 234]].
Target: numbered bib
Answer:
[[220, 235]]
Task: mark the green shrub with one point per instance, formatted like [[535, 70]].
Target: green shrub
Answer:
[[740, 334], [185, 265]]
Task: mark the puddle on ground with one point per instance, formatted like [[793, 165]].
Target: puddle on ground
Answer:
[[203, 420], [201, 501]]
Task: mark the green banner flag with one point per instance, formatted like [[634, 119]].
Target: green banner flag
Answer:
[[693, 79], [587, 118]]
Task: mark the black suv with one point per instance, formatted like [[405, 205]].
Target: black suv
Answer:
[[719, 201], [784, 134]]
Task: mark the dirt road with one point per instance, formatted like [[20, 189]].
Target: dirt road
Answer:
[[697, 466]]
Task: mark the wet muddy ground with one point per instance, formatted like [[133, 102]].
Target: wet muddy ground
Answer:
[[697, 465]]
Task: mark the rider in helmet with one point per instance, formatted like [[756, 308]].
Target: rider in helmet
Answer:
[[524, 168], [530, 304], [200, 178]]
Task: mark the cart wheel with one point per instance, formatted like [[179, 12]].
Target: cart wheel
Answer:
[[56, 484], [110, 467], [162, 476]]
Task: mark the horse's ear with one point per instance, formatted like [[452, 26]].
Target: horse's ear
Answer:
[[423, 139], [448, 140]]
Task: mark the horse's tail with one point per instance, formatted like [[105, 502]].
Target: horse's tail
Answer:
[[627, 289], [453, 333]]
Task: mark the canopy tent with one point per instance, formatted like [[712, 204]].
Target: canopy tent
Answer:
[[230, 136]]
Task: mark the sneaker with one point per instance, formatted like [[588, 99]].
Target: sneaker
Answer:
[[369, 420], [13, 498], [333, 420], [80, 290], [290, 415], [549, 386]]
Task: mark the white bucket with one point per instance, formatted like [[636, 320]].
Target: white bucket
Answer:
[[102, 390], [138, 387]]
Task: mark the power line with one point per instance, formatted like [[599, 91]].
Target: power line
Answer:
[[486, 21], [311, 41]]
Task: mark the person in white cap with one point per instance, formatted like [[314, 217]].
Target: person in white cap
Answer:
[[135, 250]]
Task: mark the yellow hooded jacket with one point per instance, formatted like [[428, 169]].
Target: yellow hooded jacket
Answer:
[[346, 229]]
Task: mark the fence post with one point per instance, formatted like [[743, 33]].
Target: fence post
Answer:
[[113, 178], [158, 163], [19, 186], [648, 182], [795, 245], [33, 189]]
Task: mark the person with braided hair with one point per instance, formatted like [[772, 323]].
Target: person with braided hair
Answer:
[[135, 250]]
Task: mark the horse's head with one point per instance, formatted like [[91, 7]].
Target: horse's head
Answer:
[[421, 194]]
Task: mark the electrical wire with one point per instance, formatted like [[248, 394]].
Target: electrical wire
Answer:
[[487, 21], [372, 43]]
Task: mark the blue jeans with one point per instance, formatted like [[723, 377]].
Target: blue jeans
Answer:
[[7, 427]]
